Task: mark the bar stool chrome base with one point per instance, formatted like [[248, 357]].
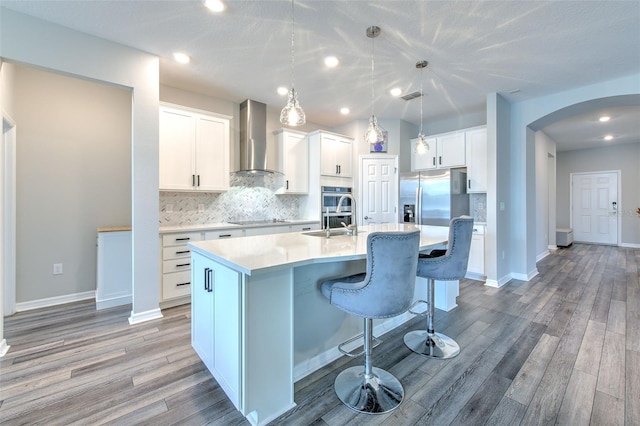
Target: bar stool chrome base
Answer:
[[435, 345], [379, 393]]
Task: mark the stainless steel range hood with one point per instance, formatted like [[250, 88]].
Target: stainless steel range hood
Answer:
[[253, 139]]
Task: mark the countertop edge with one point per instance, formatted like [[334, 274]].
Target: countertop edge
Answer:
[[225, 225]]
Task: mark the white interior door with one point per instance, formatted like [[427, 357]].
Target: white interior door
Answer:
[[379, 184], [594, 202]]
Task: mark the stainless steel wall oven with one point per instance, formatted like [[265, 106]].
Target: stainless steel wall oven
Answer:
[[330, 197]]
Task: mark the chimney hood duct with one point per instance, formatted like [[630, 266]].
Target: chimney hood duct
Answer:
[[253, 139]]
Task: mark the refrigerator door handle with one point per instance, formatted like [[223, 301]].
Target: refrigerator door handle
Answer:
[[418, 208]]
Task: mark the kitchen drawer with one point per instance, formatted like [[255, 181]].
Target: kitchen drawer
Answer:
[[180, 239], [176, 284], [223, 233], [175, 252], [306, 227], [176, 265], [478, 229]]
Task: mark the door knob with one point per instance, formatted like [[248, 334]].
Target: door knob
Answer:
[[367, 217]]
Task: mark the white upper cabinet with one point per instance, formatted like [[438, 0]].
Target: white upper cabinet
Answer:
[[445, 150], [194, 150], [336, 153], [477, 160], [293, 160]]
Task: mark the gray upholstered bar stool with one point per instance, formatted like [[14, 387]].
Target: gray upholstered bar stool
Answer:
[[441, 265], [384, 291]]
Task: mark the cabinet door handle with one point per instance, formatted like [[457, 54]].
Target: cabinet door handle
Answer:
[[434, 161], [206, 279], [337, 172], [181, 265], [440, 160], [287, 184], [198, 180], [183, 239], [210, 280], [193, 180], [224, 235], [181, 284], [469, 183], [183, 251]]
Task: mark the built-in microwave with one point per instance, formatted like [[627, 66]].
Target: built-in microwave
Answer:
[[330, 197]]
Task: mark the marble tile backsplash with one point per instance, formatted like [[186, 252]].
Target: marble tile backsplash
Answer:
[[245, 200], [478, 207]]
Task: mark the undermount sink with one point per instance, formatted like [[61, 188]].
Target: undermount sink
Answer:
[[334, 232]]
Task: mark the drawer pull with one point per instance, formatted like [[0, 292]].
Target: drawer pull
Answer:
[[224, 235], [306, 229], [183, 239], [180, 265], [181, 284], [183, 251]]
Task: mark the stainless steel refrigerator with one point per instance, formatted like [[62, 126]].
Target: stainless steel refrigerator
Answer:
[[433, 197]]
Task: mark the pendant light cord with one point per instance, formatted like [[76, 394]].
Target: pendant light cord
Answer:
[[292, 46], [372, 68], [421, 100]]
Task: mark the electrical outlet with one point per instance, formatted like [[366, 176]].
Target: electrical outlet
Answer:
[[57, 269], [169, 208], [200, 208]]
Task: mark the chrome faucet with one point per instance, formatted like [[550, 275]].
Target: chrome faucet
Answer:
[[353, 227]]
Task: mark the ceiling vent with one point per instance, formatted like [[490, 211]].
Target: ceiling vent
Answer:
[[412, 95]]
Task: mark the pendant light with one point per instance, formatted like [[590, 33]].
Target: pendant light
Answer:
[[374, 133], [292, 113], [421, 145]]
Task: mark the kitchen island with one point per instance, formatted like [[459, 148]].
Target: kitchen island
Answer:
[[259, 322]]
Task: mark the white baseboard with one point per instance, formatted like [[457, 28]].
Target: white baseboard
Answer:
[[309, 366], [4, 348], [114, 301], [542, 255], [498, 283], [53, 301], [145, 316], [629, 245]]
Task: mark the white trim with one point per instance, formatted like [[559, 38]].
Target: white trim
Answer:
[[8, 214], [552, 247], [307, 367], [528, 277], [114, 301], [4, 348], [542, 255], [145, 316], [54, 301], [499, 283], [629, 245]]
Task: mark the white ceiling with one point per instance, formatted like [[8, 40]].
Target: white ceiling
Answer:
[[473, 48]]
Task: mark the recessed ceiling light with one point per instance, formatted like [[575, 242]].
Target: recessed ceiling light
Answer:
[[605, 118], [344, 111], [183, 58], [331, 61], [214, 5], [396, 91], [282, 90], [608, 137]]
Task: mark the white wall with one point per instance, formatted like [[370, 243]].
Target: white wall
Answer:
[[73, 176], [625, 158], [545, 148], [35, 42], [526, 117]]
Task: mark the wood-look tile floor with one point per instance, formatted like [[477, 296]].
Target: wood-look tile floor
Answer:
[[563, 348]]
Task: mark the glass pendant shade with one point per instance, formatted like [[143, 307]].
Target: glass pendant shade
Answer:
[[374, 133], [421, 145], [292, 113]]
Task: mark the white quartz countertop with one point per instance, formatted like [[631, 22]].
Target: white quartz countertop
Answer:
[[227, 225], [260, 253]]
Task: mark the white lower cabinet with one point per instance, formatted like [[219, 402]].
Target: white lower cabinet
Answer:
[[304, 228], [475, 267], [176, 264], [215, 322]]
